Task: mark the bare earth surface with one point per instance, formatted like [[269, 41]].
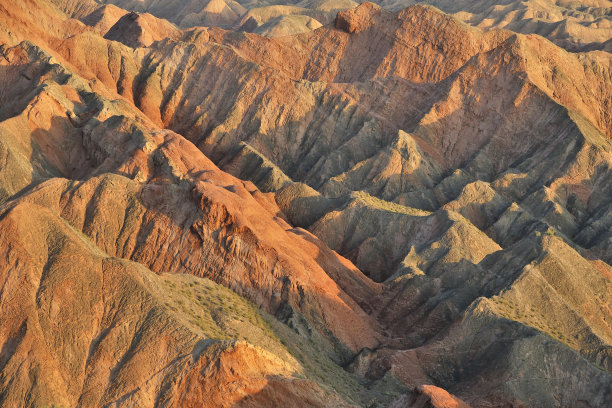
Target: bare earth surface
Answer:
[[319, 204]]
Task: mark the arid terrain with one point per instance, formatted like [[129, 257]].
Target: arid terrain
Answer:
[[231, 203], [574, 25]]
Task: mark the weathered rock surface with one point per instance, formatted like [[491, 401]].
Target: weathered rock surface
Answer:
[[223, 13], [108, 136], [584, 25], [575, 26], [464, 175], [140, 30], [104, 17], [83, 328], [428, 396]]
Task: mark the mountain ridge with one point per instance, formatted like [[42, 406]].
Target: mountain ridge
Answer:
[[414, 225]]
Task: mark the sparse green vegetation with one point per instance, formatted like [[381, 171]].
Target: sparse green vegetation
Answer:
[[221, 314], [531, 317], [387, 205], [216, 310]]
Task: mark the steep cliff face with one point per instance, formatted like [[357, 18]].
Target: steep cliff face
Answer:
[[406, 210]]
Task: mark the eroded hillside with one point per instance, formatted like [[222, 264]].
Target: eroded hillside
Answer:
[[573, 25], [392, 209]]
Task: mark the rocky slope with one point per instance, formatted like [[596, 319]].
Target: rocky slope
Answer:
[[111, 332], [463, 177], [188, 13], [573, 25], [62, 119]]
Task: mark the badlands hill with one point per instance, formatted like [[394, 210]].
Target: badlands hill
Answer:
[[573, 25], [393, 209]]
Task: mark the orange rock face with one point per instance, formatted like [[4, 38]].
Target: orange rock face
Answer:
[[140, 30], [396, 209]]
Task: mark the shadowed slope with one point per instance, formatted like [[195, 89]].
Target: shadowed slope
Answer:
[[467, 172]]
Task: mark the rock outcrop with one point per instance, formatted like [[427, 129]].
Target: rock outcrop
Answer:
[[140, 30], [395, 208]]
